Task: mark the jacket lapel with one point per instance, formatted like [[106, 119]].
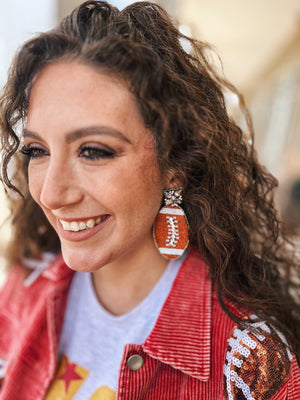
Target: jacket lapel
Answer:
[[181, 337]]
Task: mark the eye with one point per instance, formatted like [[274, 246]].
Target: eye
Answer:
[[32, 152], [95, 153]]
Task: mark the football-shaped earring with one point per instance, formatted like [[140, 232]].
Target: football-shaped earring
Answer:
[[170, 230]]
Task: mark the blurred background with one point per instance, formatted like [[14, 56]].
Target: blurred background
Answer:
[[259, 44]]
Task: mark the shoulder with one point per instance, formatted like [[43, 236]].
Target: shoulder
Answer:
[[11, 302], [25, 295], [27, 283], [11, 287], [258, 363]]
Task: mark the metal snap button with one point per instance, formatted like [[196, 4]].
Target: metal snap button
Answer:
[[135, 362]]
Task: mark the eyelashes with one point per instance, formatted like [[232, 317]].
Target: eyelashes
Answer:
[[95, 153], [33, 152], [91, 153]]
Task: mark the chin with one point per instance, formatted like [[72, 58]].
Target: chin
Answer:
[[81, 261]]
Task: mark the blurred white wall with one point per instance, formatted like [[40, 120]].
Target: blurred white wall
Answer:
[[246, 34], [20, 20]]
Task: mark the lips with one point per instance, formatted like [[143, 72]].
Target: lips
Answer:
[[76, 226]]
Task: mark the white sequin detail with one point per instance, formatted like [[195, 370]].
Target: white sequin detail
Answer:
[[263, 326], [236, 362], [260, 324], [241, 385], [241, 336]]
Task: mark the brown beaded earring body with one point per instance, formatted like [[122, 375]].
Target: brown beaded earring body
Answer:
[[170, 229]]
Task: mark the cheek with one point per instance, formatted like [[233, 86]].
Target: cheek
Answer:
[[134, 190], [148, 188]]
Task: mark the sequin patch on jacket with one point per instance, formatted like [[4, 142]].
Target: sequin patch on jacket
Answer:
[[257, 363]]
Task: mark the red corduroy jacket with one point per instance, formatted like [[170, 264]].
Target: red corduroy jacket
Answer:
[[191, 346]]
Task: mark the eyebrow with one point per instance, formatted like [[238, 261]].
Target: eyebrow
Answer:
[[82, 132]]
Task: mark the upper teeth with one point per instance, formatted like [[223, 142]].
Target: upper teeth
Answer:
[[75, 226]]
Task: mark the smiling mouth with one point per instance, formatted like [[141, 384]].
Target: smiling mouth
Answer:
[[76, 226]]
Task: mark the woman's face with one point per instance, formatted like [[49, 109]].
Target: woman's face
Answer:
[[93, 167]]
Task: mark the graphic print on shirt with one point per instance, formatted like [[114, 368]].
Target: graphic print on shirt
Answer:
[[68, 381], [104, 393]]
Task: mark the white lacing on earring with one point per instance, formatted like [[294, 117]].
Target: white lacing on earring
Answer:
[[173, 232]]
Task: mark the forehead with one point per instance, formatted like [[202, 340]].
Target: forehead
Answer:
[[68, 95]]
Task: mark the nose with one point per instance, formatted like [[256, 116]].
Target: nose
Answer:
[[60, 188]]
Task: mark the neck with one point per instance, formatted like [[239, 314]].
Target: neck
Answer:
[[123, 284]]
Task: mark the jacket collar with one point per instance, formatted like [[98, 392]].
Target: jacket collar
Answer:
[[181, 337]]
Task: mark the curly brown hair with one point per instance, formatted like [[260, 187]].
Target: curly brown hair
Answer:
[[228, 195]]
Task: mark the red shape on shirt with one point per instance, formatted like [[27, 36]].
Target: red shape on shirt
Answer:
[[70, 375]]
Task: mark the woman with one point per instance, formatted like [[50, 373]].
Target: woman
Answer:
[[109, 120]]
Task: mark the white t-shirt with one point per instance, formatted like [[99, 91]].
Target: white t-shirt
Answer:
[[92, 340]]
